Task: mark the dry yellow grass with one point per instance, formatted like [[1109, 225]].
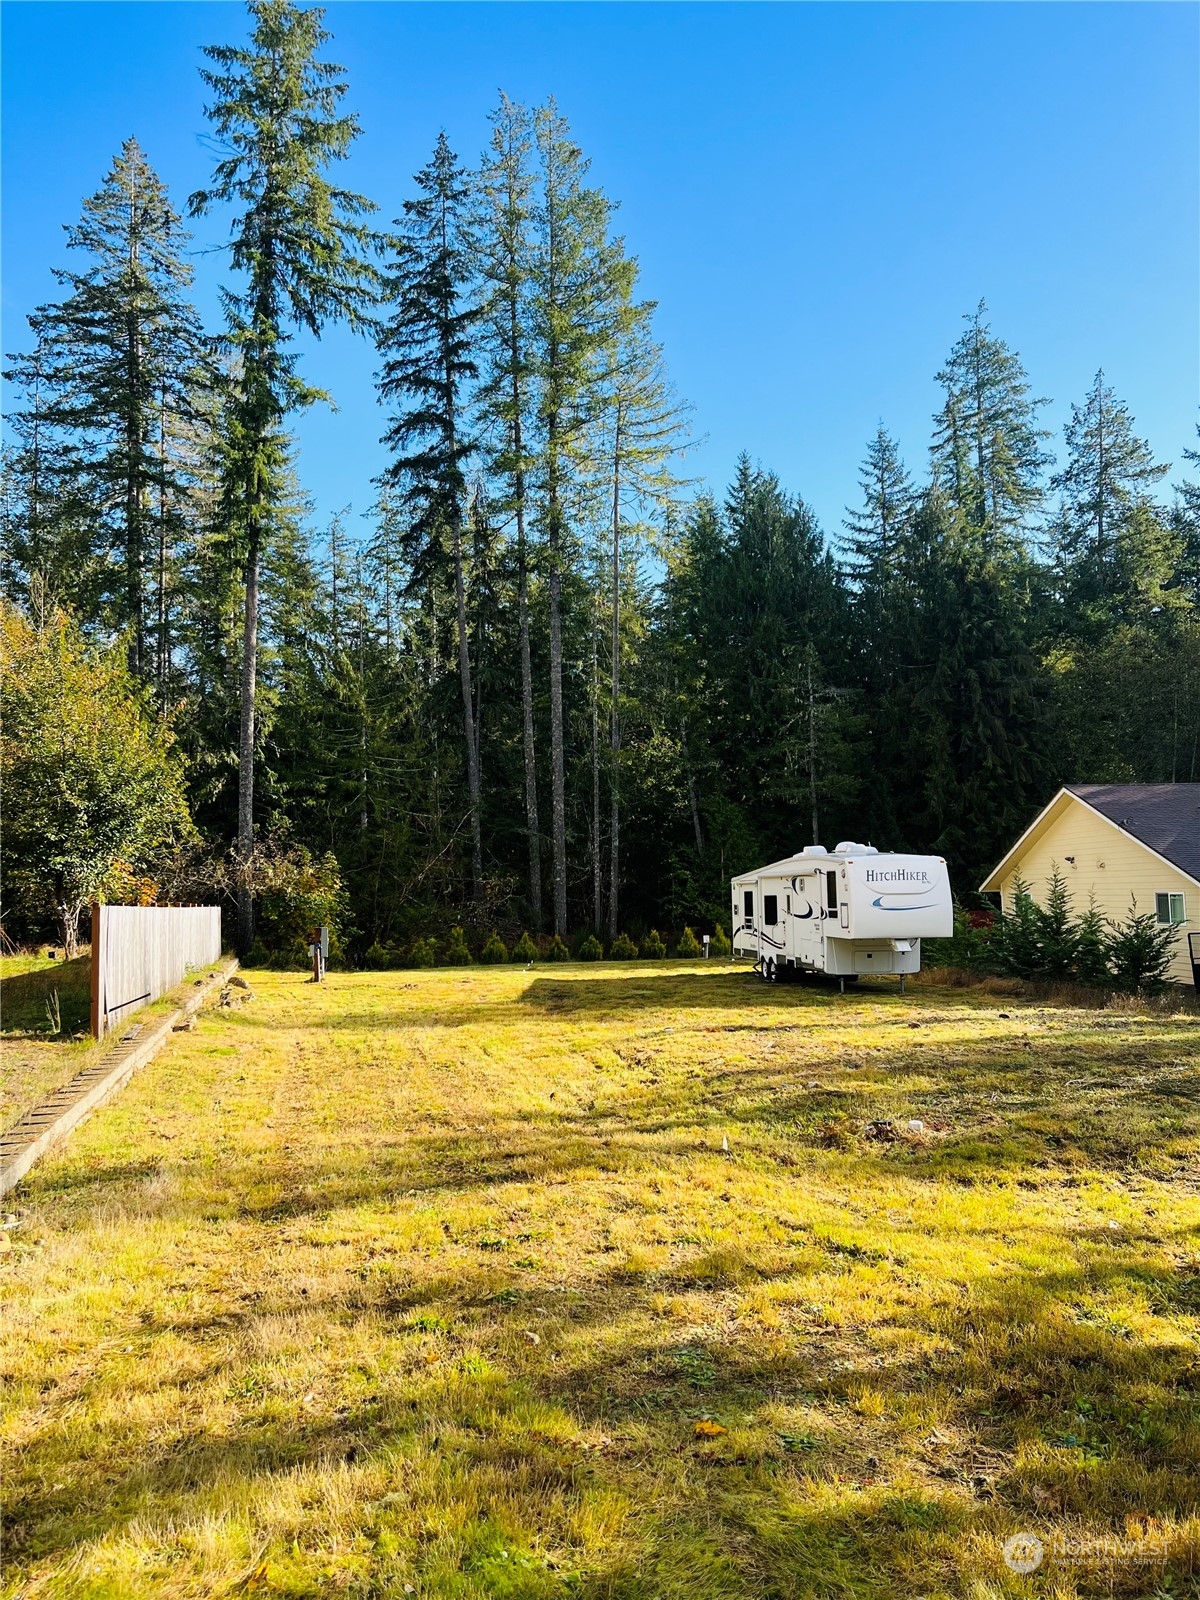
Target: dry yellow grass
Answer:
[[421, 1283]]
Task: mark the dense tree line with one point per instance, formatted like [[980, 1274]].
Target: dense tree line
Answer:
[[549, 686]]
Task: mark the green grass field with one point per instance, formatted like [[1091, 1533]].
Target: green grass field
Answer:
[[600, 1282]]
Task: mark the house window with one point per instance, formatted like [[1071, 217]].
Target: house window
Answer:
[[770, 909], [1169, 910]]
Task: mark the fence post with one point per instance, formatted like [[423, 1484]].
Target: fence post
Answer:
[[97, 1021]]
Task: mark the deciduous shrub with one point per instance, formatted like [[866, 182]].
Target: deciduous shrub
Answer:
[[558, 950], [622, 949], [653, 949], [457, 953], [494, 950], [93, 786], [296, 893], [689, 946], [591, 949], [524, 949]]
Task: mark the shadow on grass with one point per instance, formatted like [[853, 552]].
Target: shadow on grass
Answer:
[[1042, 1414], [28, 999]]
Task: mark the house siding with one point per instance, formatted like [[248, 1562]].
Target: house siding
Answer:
[[1110, 868]]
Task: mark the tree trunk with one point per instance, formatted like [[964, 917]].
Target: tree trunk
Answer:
[[245, 834], [532, 826], [164, 646], [464, 674], [558, 783], [812, 754], [614, 865], [134, 532], [691, 789], [597, 867], [68, 917]]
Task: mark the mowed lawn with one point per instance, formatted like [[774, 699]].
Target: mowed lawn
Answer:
[[597, 1282]]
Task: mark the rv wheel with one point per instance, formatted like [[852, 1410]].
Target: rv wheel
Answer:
[[769, 971]]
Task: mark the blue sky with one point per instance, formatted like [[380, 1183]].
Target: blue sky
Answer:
[[817, 193]]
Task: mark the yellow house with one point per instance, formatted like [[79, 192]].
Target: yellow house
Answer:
[[1114, 843]]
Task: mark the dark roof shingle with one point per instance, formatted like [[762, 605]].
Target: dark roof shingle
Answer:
[[1165, 816]]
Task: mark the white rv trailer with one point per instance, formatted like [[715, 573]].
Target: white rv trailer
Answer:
[[849, 912]]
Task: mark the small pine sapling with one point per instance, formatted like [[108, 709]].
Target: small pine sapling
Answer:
[[689, 946], [591, 949], [1058, 932], [1016, 938], [495, 950], [376, 958], [653, 949], [524, 949], [622, 949], [1091, 951], [1140, 951], [719, 944], [558, 950], [423, 953], [457, 954]]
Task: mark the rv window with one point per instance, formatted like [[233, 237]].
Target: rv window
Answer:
[[831, 890], [770, 909], [748, 905]]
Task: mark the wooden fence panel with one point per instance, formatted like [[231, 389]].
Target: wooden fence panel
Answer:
[[139, 952]]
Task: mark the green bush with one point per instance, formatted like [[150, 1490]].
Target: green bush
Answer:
[[558, 950], [623, 949], [524, 949], [494, 950], [720, 945], [294, 894], [422, 953], [591, 949], [1139, 952], [457, 954], [689, 946], [295, 958], [258, 956], [653, 949], [376, 958]]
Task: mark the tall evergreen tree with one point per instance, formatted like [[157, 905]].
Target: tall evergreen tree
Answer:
[[428, 365], [970, 745], [121, 373], [507, 399], [298, 240], [48, 526], [874, 530], [576, 276], [642, 429], [1105, 485], [1185, 516], [988, 453]]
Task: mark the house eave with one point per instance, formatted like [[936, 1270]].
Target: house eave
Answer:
[[992, 884]]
